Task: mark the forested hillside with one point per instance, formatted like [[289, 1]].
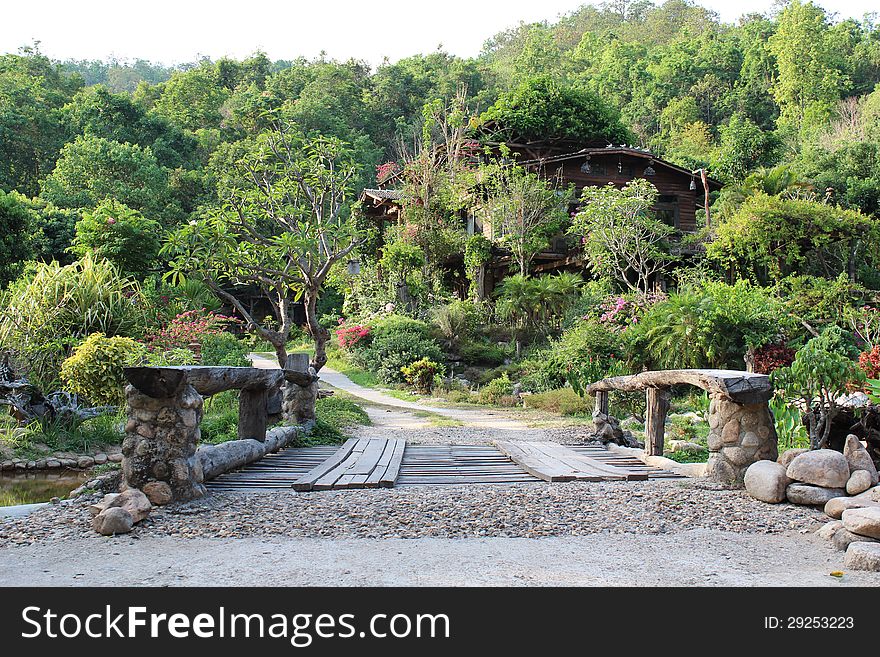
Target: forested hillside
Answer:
[[794, 88]]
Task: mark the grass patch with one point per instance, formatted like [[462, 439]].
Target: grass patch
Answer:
[[333, 416], [438, 420], [563, 401], [79, 437], [689, 457], [220, 421], [357, 375]]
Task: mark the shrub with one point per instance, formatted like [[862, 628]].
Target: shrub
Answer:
[[224, 349], [220, 421], [420, 374], [390, 352], [457, 321], [349, 336], [332, 416], [563, 401], [191, 327], [52, 308], [484, 353], [94, 370], [773, 356], [492, 392], [121, 235]]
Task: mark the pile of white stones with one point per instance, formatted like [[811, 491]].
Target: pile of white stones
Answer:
[[845, 484]]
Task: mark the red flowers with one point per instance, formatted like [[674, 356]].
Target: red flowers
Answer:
[[869, 361], [349, 336], [188, 328]]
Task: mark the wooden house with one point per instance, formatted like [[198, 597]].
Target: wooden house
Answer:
[[681, 194]]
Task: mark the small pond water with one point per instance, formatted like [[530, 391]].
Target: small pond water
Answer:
[[33, 487]]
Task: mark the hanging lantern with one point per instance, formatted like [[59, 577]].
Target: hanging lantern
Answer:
[[353, 267], [619, 166], [693, 184], [649, 170]]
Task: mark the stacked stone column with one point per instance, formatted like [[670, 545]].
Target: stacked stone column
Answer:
[[298, 402], [740, 434], [161, 437]]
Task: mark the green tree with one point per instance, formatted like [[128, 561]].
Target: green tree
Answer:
[[91, 169], [622, 239], [282, 226], [16, 226], [524, 210], [807, 85], [115, 232], [192, 99]]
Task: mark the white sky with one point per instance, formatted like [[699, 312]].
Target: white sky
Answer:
[[174, 31]]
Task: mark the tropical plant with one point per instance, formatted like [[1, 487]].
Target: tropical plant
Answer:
[[421, 374], [94, 369], [823, 370], [51, 308]]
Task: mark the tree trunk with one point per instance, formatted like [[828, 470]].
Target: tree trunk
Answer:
[[317, 332]]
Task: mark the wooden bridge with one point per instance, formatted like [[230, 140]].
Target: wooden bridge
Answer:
[[377, 463]]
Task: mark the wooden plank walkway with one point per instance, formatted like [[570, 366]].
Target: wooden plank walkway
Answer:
[[555, 462], [421, 465], [359, 463]]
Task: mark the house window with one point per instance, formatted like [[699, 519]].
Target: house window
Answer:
[[667, 210]]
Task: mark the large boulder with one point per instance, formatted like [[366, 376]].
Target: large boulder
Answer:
[[835, 507], [820, 467], [133, 501], [158, 492], [787, 456], [809, 495], [114, 520], [859, 482], [766, 481], [858, 458], [864, 522], [843, 538], [863, 556]]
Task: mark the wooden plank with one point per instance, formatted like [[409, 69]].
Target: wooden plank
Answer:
[[393, 470], [590, 465], [371, 455], [375, 476], [532, 463], [306, 481]]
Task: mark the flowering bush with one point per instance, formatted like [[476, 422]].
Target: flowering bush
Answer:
[[349, 336], [188, 328], [385, 171], [620, 312], [94, 370], [773, 356], [869, 362]]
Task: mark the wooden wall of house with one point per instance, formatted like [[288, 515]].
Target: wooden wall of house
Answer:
[[667, 181]]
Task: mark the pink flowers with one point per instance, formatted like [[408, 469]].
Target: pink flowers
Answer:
[[349, 336], [188, 328], [386, 171]]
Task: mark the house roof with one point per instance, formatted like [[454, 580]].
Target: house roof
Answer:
[[619, 150], [382, 194]]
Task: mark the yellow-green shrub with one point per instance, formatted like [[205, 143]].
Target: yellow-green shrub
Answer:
[[94, 370]]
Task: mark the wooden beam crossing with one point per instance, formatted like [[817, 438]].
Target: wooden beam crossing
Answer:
[[359, 463], [555, 462]]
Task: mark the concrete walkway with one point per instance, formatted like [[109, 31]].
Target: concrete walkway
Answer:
[[482, 418]]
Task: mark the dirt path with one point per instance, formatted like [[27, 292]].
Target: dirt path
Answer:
[[481, 420], [693, 558]]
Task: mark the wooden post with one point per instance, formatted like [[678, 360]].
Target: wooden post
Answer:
[[601, 402], [657, 401], [253, 414]]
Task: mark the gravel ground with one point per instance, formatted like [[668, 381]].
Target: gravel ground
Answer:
[[516, 510]]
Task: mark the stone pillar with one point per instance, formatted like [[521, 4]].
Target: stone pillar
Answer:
[[739, 435], [161, 437], [298, 402]]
